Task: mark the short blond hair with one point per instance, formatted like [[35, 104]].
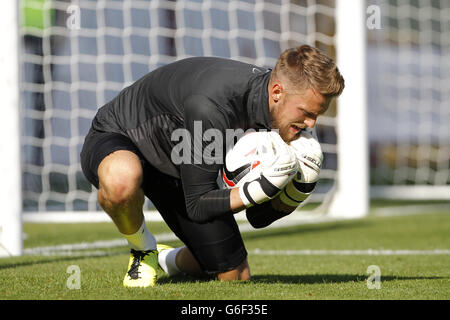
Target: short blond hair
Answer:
[[307, 67]]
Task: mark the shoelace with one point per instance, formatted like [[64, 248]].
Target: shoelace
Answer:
[[138, 256]]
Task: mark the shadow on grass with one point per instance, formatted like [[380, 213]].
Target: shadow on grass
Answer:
[[182, 279], [258, 278], [298, 279], [328, 278]]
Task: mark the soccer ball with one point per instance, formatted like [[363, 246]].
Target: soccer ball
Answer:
[[245, 161]]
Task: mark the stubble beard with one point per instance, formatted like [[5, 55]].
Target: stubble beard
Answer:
[[283, 130]]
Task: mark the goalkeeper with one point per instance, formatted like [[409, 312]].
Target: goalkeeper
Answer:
[[127, 155]]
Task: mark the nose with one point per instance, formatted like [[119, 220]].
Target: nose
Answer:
[[310, 122]]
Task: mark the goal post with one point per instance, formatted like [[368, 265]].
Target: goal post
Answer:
[[10, 160], [351, 197]]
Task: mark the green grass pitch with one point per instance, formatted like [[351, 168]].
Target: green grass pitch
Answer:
[[277, 273]]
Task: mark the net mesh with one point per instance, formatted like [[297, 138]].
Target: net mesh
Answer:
[[408, 74]]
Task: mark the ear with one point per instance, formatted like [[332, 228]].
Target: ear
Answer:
[[276, 91]]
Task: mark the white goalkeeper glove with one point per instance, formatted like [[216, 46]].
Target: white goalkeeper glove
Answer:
[[279, 165], [309, 156]]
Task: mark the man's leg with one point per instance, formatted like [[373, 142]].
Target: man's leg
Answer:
[[210, 247], [176, 260], [186, 262], [113, 164], [224, 248], [120, 193]]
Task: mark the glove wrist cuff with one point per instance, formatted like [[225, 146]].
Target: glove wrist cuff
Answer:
[[257, 191], [296, 192]]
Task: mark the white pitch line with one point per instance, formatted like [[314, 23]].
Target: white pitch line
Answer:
[[164, 237], [291, 220], [369, 252], [259, 252], [70, 253], [103, 244]]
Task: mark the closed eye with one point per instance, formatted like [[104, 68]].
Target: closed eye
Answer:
[[308, 114]]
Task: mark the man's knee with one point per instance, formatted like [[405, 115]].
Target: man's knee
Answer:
[[120, 179]]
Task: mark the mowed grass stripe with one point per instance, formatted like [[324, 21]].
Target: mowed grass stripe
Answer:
[[292, 273]]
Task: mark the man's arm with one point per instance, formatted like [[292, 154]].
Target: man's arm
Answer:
[[282, 205], [204, 200], [236, 202]]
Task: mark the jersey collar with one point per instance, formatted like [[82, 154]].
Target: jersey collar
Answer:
[[258, 102]]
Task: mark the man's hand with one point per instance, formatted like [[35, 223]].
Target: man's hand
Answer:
[[309, 155], [279, 166]]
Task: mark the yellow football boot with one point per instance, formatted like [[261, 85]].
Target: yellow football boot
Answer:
[[141, 269]]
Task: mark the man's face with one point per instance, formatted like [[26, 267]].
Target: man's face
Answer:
[[292, 111]]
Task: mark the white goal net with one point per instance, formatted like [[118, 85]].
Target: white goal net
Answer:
[[87, 51], [408, 74]]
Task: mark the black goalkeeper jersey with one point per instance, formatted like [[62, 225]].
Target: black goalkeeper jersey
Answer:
[[216, 93]]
